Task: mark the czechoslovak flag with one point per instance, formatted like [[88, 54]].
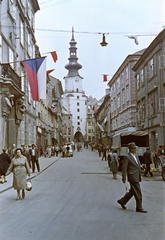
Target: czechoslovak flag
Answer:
[[36, 73]]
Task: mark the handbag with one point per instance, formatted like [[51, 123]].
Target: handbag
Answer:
[[152, 168], [28, 185]]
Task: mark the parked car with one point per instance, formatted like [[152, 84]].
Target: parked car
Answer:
[[70, 154]]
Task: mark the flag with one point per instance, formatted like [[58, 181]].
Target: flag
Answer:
[[105, 78], [36, 73], [49, 71], [54, 105], [54, 56], [95, 111], [135, 38], [101, 128], [57, 98]]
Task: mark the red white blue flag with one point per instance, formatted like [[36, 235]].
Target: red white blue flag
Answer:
[[36, 73], [57, 98], [54, 105]]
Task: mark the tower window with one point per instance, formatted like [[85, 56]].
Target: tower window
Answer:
[[77, 97], [76, 89], [78, 104], [78, 123], [78, 110], [78, 117]]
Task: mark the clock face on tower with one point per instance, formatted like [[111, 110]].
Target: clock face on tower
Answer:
[[76, 80]]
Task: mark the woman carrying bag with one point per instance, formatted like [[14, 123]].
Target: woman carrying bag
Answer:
[[20, 167]]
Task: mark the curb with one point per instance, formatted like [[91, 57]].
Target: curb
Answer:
[[4, 190]]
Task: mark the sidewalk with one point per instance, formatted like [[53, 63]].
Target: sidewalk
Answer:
[[44, 164]]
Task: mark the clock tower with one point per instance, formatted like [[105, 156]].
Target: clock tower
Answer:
[[74, 98]]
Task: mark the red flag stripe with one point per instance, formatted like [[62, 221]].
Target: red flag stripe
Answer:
[[54, 56], [49, 71]]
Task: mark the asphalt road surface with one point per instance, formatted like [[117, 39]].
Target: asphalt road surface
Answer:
[[75, 198]]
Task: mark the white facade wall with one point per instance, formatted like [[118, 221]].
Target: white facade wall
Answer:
[[78, 111]]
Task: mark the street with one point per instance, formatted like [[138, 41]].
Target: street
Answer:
[[75, 198]]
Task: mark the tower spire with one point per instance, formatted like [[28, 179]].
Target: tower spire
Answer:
[[72, 33], [73, 66]]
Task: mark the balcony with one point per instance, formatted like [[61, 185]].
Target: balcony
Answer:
[[8, 72]]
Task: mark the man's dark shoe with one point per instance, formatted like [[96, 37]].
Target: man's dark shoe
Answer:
[[141, 210], [122, 205]]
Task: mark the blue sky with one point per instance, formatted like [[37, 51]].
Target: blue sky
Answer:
[[119, 18]]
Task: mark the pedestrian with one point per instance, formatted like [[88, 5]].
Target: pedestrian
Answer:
[[34, 154], [26, 153], [12, 151], [104, 153], [80, 147], [147, 160], [92, 147], [63, 151], [99, 149], [20, 167], [109, 156], [114, 163], [131, 167], [57, 149], [41, 151], [4, 164], [162, 155], [67, 150], [49, 151], [160, 147], [52, 149]]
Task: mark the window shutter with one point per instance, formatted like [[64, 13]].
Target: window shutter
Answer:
[[147, 72], [162, 61], [162, 104]]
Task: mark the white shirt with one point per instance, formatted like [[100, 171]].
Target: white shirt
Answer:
[[135, 158], [33, 152]]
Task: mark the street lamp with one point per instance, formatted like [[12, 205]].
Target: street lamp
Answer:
[[103, 43]]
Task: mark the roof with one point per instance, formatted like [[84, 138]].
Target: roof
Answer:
[[148, 50]]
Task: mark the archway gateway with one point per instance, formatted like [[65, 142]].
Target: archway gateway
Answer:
[[78, 137]]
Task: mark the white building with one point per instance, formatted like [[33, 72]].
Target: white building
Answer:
[[74, 98]]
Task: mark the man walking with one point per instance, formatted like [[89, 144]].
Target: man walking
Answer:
[[131, 167], [104, 152], [147, 160], [34, 158], [12, 151], [26, 153]]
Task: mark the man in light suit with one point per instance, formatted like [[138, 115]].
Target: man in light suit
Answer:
[[131, 167], [34, 157]]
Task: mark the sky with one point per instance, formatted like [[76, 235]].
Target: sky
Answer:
[[116, 18]]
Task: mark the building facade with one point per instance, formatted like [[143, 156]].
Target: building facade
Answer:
[[74, 98], [150, 91], [17, 42], [67, 126], [90, 122], [123, 96]]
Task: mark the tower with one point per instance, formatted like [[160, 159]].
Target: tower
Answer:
[[74, 98]]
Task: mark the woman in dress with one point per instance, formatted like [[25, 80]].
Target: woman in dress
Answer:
[[20, 167], [114, 163]]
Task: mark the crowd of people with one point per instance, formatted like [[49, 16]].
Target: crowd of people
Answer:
[[19, 161]]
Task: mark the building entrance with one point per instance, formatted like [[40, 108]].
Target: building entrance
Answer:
[[78, 137]]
